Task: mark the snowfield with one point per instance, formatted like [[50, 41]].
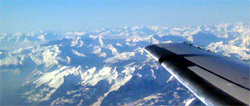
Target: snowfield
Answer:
[[106, 66]]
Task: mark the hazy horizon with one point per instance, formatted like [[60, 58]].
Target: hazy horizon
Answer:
[[26, 16]]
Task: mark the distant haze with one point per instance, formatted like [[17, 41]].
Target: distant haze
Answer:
[[25, 16]]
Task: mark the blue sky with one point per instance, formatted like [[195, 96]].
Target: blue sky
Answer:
[[25, 16]]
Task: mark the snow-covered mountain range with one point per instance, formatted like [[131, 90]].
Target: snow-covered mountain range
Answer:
[[106, 66]]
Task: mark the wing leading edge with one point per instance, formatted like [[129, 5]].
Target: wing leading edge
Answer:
[[213, 78]]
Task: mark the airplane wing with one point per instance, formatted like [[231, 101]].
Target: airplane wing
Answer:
[[214, 79]]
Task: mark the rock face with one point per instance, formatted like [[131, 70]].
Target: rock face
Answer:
[[106, 66]]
